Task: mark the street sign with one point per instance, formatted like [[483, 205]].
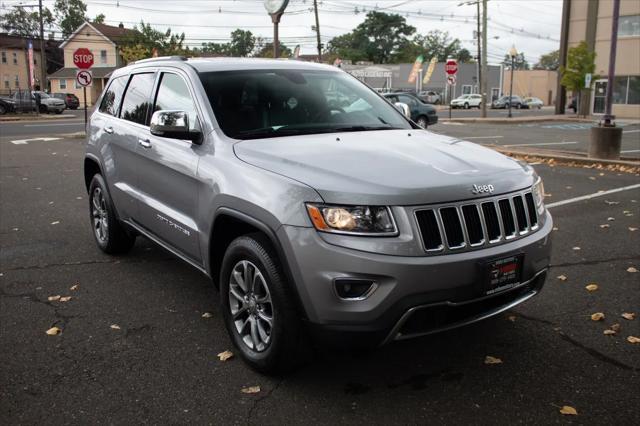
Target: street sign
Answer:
[[451, 67], [84, 78], [451, 80], [587, 80], [83, 58]]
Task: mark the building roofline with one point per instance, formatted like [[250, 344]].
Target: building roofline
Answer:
[[64, 43]]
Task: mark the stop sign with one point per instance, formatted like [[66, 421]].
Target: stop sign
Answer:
[[83, 58], [451, 66]]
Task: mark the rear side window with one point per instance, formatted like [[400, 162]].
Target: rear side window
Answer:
[[173, 94], [137, 98], [113, 95]]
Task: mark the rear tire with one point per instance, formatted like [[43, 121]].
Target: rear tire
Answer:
[[43, 109], [111, 237], [258, 307], [422, 122], [466, 105]]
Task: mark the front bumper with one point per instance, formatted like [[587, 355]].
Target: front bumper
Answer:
[[405, 285]]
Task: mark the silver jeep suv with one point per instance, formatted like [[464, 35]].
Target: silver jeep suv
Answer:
[[315, 219]]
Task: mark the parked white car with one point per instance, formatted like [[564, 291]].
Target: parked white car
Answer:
[[532, 103], [467, 101]]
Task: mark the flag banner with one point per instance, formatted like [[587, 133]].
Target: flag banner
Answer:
[[416, 68], [430, 69]]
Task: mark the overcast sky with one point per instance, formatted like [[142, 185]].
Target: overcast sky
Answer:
[[533, 26]]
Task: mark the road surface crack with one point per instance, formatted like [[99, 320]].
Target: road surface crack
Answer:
[[591, 351], [254, 407]]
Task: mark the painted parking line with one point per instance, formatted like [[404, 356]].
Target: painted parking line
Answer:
[[631, 131], [629, 151], [483, 137], [594, 195], [540, 144], [26, 141]]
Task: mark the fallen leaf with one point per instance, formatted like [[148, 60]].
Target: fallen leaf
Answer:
[[65, 298], [223, 356], [606, 225], [73, 287], [554, 229], [115, 326], [562, 277], [512, 318], [598, 316], [632, 269], [629, 316], [568, 411], [569, 187], [576, 248], [612, 203], [492, 360], [611, 219], [600, 174], [629, 214], [251, 389], [633, 339], [54, 331], [632, 229], [53, 298], [592, 178], [615, 327], [592, 287], [55, 222], [207, 315], [609, 332], [626, 211]]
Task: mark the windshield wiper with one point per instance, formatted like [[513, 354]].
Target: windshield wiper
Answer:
[[266, 132]]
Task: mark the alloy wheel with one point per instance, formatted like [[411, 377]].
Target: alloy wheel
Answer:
[[251, 305], [100, 215]]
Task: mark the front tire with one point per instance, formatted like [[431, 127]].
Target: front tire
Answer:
[[422, 122], [258, 307], [466, 105], [111, 237]]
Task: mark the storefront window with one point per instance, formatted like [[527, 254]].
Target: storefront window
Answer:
[[619, 90], [629, 26]]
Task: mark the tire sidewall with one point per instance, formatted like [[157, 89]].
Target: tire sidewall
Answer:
[[244, 248], [98, 182], [424, 120]]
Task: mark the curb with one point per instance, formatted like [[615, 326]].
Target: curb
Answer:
[[35, 119], [566, 158], [75, 135], [519, 120]]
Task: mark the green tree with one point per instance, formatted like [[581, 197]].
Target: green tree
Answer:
[[580, 62], [549, 61], [70, 14], [242, 43], [99, 19], [441, 45], [21, 21], [378, 39], [142, 42], [520, 62], [265, 50]]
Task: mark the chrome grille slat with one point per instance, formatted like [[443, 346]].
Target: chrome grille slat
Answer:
[[475, 222]]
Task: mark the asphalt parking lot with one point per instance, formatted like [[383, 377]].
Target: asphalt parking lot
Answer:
[[569, 137], [135, 347]]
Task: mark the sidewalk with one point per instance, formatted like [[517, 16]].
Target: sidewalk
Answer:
[[518, 120]]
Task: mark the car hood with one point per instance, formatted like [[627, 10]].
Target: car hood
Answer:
[[387, 167]]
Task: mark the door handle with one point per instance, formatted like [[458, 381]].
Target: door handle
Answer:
[[145, 143], [108, 129]]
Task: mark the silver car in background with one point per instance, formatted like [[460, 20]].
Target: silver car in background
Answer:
[[318, 210]]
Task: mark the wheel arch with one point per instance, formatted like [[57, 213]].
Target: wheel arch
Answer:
[[91, 167], [229, 224]]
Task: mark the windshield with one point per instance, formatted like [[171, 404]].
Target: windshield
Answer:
[[255, 104]]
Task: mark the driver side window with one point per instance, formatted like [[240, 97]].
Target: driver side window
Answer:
[[173, 94]]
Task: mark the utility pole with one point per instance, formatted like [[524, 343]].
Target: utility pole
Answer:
[[43, 54], [478, 35], [315, 8], [483, 74]]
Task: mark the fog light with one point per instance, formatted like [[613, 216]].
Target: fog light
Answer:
[[354, 289]]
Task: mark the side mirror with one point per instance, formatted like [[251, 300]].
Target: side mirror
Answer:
[[403, 108], [174, 125]]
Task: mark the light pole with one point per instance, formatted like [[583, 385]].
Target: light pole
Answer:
[[513, 53], [275, 8]]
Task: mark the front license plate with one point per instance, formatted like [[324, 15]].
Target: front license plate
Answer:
[[503, 274]]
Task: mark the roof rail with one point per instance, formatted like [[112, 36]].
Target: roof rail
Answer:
[[161, 58]]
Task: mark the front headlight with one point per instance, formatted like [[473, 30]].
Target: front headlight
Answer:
[[353, 220], [538, 194]]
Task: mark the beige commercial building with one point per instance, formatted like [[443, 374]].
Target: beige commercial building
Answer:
[[14, 64], [103, 41], [539, 84], [590, 21]]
